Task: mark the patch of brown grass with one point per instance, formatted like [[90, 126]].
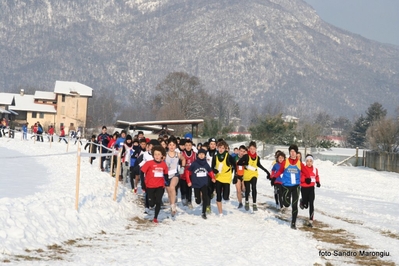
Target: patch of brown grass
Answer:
[[141, 223], [390, 234], [70, 242], [27, 258], [342, 218], [344, 241]]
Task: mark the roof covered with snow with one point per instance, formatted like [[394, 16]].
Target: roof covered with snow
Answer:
[[3, 111], [45, 95], [6, 98], [27, 103], [72, 88]]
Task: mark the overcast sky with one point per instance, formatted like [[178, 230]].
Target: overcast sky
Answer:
[[373, 19]]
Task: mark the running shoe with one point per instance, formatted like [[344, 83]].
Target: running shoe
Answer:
[[255, 208]]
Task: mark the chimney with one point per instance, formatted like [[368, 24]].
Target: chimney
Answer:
[[22, 92]]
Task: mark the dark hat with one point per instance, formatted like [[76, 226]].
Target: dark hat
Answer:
[[136, 141], [154, 142], [182, 142], [211, 140], [128, 137], [202, 151], [293, 147]]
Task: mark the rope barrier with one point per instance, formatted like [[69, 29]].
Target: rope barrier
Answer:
[[43, 155]]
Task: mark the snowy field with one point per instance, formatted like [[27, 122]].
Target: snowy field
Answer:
[[356, 212]]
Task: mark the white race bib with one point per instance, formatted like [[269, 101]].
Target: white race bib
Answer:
[[220, 167], [158, 174], [250, 167], [201, 174], [313, 179], [171, 172], [293, 179]]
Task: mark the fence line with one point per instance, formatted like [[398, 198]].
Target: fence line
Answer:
[[382, 161]]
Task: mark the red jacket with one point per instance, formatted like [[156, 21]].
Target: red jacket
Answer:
[[311, 172], [51, 131], [111, 143], [154, 173]]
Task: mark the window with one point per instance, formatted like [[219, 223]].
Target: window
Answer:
[[34, 114], [63, 98], [41, 115]]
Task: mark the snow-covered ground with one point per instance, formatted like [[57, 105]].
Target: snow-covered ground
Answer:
[[356, 211]]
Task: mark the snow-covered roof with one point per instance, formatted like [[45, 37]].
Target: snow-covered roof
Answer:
[[72, 88], [27, 103], [3, 111], [45, 95], [6, 98]]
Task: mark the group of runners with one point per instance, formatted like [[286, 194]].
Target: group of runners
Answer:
[[208, 169]]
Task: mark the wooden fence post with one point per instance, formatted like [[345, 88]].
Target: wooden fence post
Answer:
[[77, 181], [118, 171], [90, 150], [101, 157], [357, 155], [112, 162]]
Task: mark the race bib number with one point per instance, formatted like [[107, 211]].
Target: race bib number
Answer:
[[171, 173], [250, 167], [201, 174], [220, 168], [313, 180], [293, 179], [158, 173]]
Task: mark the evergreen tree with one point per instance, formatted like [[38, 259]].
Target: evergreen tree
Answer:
[[211, 127], [273, 130], [357, 137], [375, 112]]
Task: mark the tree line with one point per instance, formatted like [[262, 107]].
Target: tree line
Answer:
[[183, 96]]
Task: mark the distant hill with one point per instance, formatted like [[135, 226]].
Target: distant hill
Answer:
[[259, 50]]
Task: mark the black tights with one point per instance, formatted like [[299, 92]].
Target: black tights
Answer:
[[308, 197], [248, 185], [186, 192], [287, 193], [155, 199], [222, 191], [205, 197], [278, 194]]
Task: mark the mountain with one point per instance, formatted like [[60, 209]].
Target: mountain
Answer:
[[261, 51]]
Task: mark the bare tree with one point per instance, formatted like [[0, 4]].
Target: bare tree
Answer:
[[309, 133], [180, 96], [383, 135], [224, 107], [103, 108]]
